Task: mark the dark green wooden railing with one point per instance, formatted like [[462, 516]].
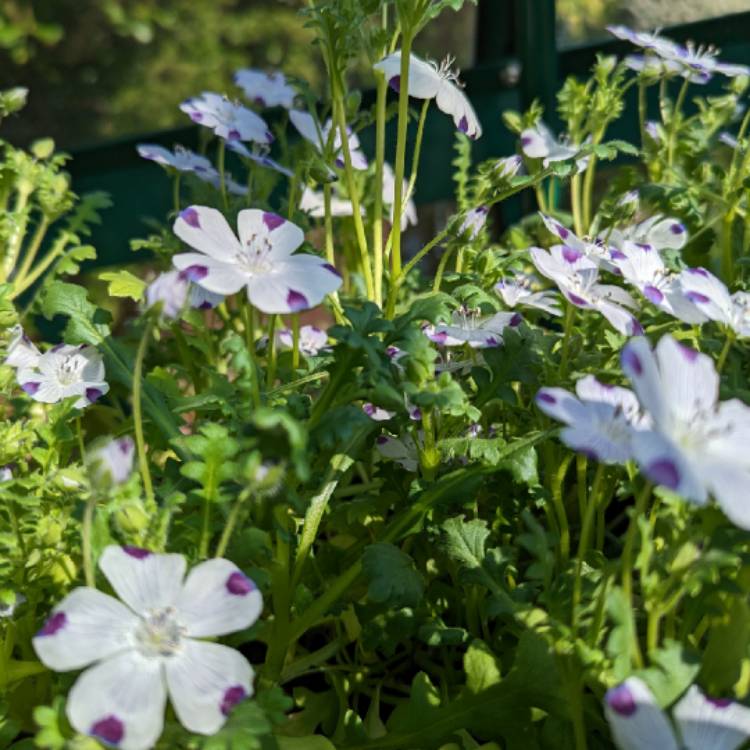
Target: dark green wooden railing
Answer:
[[517, 61]]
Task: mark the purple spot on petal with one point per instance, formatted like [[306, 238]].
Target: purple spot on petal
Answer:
[[698, 272], [645, 246], [269, 137], [57, 347], [515, 320], [239, 584], [340, 162], [368, 409], [381, 440], [525, 141], [576, 300], [636, 329], [562, 231], [190, 216], [463, 125], [618, 255], [439, 338], [234, 135], [570, 255], [653, 294], [632, 361], [690, 354], [697, 297], [621, 700], [677, 228], [272, 221], [296, 301], [260, 101], [720, 702], [53, 624], [232, 697], [137, 552], [395, 83], [491, 341], [94, 394], [109, 729], [205, 305], [30, 388], [196, 116], [195, 273], [546, 398], [664, 471], [330, 268]]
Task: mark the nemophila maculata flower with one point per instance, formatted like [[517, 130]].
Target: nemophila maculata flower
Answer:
[[469, 327], [377, 413], [699, 722], [519, 290], [173, 290], [22, 352], [602, 420], [409, 215], [227, 119], [147, 645], [266, 89], [321, 136], [713, 299], [697, 446], [596, 249], [64, 371], [261, 260], [539, 142], [577, 277], [258, 157], [657, 232], [430, 81], [509, 166], [474, 223], [112, 462], [181, 159], [312, 202], [312, 340]]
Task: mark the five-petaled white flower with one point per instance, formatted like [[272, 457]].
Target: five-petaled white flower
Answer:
[[228, 120], [519, 290], [146, 646], [261, 260], [63, 372], [697, 445], [713, 299], [181, 159], [468, 327], [538, 142], [596, 250], [112, 461], [312, 340], [173, 289], [409, 213], [702, 723], [601, 419], [321, 135], [430, 81], [658, 232], [266, 89], [377, 413], [577, 277]]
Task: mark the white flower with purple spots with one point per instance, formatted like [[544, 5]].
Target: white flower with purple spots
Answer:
[[112, 462], [713, 299], [596, 250], [519, 290], [377, 413], [181, 159], [658, 232], [601, 419], [699, 722], [201, 299], [261, 260], [228, 120], [409, 213], [321, 136], [652, 66], [577, 277], [468, 327], [313, 204], [170, 291], [697, 445], [64, 372], [266, 89], [430, 81], [538, 142], [474, 222], [643, 268], [147, 645], [403, 450], [508, 167], [21, 353], [312, 340], [258, 156]]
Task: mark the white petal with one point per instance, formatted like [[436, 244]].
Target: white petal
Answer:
[[451, 100], [211, 274], [206, 230], [84, 627], [424, 81], [537, 142], [707, 724], [620, 319], [206, 680], [639, 364], [560, 405], [636, 721], [730, 485], [120, 702], [218, 598], [667, 234], [284, 236], [708, 293], [305, 124], [142, 579]]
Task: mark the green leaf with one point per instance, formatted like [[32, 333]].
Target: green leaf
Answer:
[[674, 668], [392, 576], [726, 648], [86, 322], [123, 284], [311, 742], [481, 667]]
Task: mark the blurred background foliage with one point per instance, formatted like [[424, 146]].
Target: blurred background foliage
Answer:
[[101, 69]]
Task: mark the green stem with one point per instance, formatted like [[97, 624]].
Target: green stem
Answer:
[[86, 546], [442, 265], [16, 239], [567, 335], [588, 184], [176, 193], [295, 341], [32, 250], [727, 256], [271, 368], [138, 413], [559, 504], [248, 313], [674, 120], [642, 112], [377, 220], [226, 534], [575, 204], [725, 350], [328, 223]]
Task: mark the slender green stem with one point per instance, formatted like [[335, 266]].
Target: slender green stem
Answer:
[[674, 121], [727, 255], [442, 265], [248, 313], [403, 122], [229, 526], [328, 223], [138, 412], [377, 219], [725, 350], [271, 365], [559, 505], [295, 341], [588, 183], [222, 177], [570, 312], [541, 201], [32, 250], [19, 232], [176, 192], [575, 204], [58, 248], [86, 546], [642, 112]]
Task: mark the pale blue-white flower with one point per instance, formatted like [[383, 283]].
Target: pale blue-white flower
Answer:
[[711, 296], [148, 645], [657, 232], [181, 159], [258, 156], [698, 722], [21, 352], [65, 371], [266, 89], [377, 413], [261, 261], [538, 142], [474, 222], [230, 184], [228, 120], [469, 327], [112, 462], [312, 340], [595, 250], [321, 135], [430, 81], [697, 446], [508, 167], [519, 290]]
